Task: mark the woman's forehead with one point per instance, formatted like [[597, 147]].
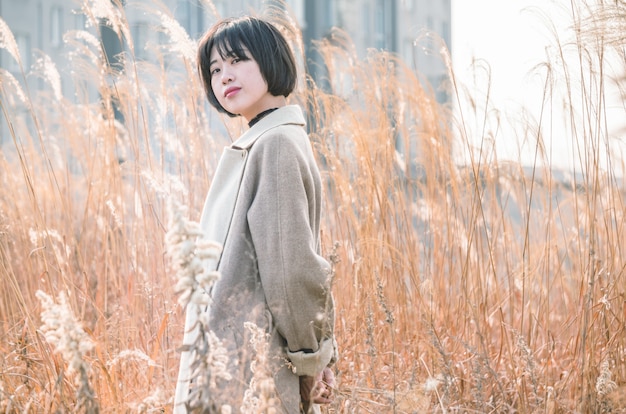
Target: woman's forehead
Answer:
[[225, 48], [218, 55]]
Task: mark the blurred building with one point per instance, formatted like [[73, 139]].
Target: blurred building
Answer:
[[398, 26], [393, 25], [405, 27], [412, 29]]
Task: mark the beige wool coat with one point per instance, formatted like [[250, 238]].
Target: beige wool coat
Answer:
[[264, 206]]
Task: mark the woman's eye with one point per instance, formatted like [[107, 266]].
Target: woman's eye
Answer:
[[214, 71], [235, 60]]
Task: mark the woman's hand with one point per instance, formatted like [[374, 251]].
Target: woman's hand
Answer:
[[318, 389]]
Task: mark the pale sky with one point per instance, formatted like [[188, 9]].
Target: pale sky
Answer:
[[513, 38]]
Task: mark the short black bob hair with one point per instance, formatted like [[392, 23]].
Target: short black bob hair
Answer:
[[265, 43]]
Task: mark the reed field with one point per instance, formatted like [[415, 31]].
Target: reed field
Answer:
[[472, 285]]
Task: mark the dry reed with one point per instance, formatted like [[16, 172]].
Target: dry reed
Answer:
[[483, 287]]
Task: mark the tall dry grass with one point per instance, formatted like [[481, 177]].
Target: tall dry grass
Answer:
[[483, 287]]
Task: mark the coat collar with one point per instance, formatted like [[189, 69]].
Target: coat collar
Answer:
[[286, 115]]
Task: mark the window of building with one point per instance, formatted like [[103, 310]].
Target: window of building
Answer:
[[366, 24], [56, 26], [445, 33], [140, 33], [379, 25], [183, 14], [80, 21]]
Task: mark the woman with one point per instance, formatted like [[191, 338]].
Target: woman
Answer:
[[264, 206]]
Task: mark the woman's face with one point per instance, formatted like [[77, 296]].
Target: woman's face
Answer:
[[238, 84]]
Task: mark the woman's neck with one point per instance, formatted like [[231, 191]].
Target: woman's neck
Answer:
[[260, 116]]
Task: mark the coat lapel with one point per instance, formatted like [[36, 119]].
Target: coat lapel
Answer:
[[287, 115]]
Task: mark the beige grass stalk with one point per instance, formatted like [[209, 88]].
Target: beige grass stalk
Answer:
[[65, 333], [260, 397], [191, 257]]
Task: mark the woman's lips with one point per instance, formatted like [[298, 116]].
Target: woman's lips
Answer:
[[231, 91]]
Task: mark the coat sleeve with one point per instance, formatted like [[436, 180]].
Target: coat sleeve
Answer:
[[294, 276]]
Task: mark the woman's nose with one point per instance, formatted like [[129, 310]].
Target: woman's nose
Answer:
[[227, 75]]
